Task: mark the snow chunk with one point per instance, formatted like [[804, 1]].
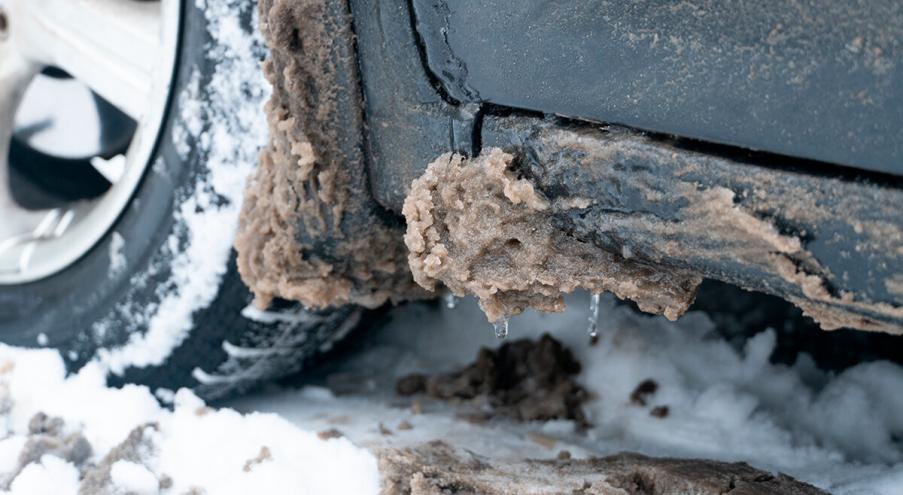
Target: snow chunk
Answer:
[[117, 254], [191, 447], [839, 431], [133, 478], [194, 451], [37, 383], [10, 447], [52, 476]]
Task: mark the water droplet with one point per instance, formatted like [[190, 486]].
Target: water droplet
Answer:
[[501, 328], [451, 300], [593, 329]]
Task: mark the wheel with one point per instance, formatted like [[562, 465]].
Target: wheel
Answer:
[[138, 276]]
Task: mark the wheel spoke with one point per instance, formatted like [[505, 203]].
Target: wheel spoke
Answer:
[[111, 169], [17, 247], [113, 46]]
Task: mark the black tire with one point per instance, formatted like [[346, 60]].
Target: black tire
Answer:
[[92, 308]]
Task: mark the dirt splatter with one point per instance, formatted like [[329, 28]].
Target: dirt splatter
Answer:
[[475, 227], [830, 311], [642, 392], [660, 412], [436, 468], [309, 223], [310, 230], [523, 379], [414, 383], [262, 456], [765, 228], [329, 434]]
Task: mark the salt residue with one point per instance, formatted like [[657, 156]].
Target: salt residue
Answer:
[[223, 124]]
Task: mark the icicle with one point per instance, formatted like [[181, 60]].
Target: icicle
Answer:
[[501, 327], [451, 300], [593, 317]]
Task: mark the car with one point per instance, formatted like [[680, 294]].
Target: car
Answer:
[[515, 151]]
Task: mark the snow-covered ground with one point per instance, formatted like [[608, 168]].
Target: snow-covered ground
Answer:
[[124, 441], [837, 431]]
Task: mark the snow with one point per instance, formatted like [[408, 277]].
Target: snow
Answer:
[[131, 477], [50, 476], [294, 460], [189, 447], [838, 431], [211, 115], [10, 447], [286, 316], [117, 254], [35, 383]]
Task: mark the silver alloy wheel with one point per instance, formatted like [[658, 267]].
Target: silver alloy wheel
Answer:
[[125, 52]]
